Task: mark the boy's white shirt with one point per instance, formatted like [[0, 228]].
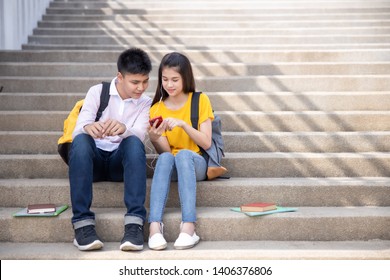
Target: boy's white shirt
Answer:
[[134, 113]]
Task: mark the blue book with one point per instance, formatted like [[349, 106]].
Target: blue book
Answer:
[[279, 209]]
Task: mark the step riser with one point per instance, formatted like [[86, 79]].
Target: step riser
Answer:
[[211, 17], [212, 40], [287, 166], [239, 101], [289, 121], [242, 7], [209, 228], [203, 56], [263, 165], [44, 143], [209, 194], [212, 84], [105, 70], [208, 251], [41, 143], [32, 102], [167, 24], [216, 4], [239, 14], [287, 31], [224, 47], [300, 143]]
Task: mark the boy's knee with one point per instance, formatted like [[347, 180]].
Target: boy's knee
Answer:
[[82, 142], [132, 142], [132, 147]]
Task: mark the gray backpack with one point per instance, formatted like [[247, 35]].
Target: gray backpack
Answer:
[[214, 154]]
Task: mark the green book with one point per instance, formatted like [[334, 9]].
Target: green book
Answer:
[[278, 210], [23, 212]]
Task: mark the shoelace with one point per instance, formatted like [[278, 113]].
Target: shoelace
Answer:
[[133, 229], [87, 231]]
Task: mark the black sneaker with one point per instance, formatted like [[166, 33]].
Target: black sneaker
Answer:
[[133, 240], [86, 239]]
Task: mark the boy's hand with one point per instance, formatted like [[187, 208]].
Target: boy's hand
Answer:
[[113, 128], [94, 129], [100, 129]]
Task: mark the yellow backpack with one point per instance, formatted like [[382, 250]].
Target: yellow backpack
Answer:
[[65, 141]]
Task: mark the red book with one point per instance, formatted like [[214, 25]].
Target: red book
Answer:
[[41, 208], [258, 207]]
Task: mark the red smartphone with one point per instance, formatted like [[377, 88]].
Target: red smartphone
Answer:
[[159, 119]]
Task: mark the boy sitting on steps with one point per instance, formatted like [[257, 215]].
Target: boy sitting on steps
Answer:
[[112, 149]]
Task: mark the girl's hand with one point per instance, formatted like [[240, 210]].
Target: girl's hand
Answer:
[[172, 123], [156, 132]]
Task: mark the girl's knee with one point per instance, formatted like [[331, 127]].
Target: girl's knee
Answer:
[[184, 155], [166, 157]]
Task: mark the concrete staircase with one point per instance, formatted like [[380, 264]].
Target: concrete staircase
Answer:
[[303, 89]]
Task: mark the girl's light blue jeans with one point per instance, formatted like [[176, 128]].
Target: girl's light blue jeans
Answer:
[[187, 167]]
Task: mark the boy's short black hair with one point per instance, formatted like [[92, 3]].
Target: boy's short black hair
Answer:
[[134, 61]]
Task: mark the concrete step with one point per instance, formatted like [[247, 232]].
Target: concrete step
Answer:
[[298, 83], [215, 6], [207, 250], [307, 224], [186, 31], [370, 164], [182, 47], [217, 10], [307, 164], [188, 16], [206, 55], [353, 2], [234, 101], [217, 40], [335, 142], [288, 192], [29, 142], [44, 142], [212, 24], [51, 69], [233, 121]]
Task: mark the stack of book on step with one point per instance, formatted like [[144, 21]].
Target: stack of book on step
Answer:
[[261, 208], [41, 210], [258, 207]]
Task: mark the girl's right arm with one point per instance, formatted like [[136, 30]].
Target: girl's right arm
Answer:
[[159, 142]]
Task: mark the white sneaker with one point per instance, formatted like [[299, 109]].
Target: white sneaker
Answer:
[[157, 242], [186, 241]]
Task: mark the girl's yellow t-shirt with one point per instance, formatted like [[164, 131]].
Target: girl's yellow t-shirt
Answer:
[[178, 139]]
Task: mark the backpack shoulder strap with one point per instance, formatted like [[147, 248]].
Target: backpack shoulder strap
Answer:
[[195, 109], [104, 98]]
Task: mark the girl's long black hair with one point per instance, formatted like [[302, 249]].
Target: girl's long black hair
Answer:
[[183, 66]]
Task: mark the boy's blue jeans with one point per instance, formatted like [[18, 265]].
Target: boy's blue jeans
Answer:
[[88, 164], [186, 168]]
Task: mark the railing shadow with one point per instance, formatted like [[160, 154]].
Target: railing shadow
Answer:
[[139, 19]]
